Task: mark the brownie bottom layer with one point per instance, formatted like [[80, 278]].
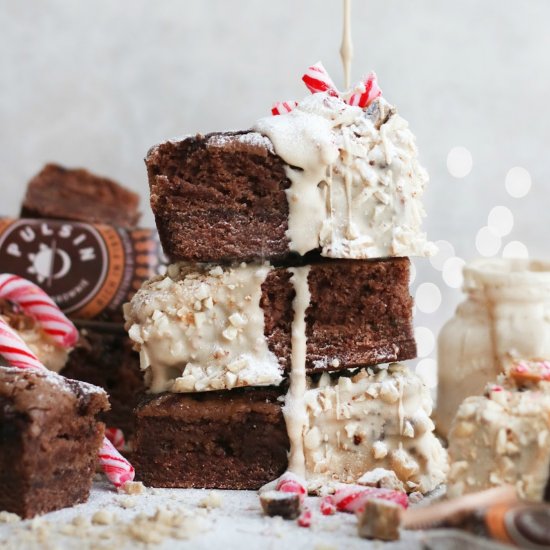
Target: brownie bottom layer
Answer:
[[53, 471], [224, 440]]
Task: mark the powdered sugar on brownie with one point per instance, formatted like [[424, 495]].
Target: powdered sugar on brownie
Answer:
[[60, 383], [253, 139], [202, 328], [356, 181]]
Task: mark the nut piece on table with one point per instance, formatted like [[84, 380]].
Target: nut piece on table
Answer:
[[380, 519], [280, 503]]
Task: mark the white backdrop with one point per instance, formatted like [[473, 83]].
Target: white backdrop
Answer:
[[94, 84]]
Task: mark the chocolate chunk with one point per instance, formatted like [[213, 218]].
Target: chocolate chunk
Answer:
[[379, 520], [279, 503]]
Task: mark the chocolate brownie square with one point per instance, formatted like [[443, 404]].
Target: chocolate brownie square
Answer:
[[77, 194], [224, 440], [49, 440]]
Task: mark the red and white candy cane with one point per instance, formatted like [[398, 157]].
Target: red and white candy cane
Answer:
[[37, 304], [14, 350], [116, 437], [283, 107], [117, 469], [352, 498], [318, 80], [367, 91]]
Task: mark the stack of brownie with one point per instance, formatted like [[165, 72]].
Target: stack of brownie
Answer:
[[270, 343], [103, 355]]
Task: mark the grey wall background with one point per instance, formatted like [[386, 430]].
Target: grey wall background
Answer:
[[94, 84]]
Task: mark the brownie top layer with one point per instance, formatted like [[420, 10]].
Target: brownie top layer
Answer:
[[327, 176], [77, 194], [50, 354], [42, 394], [210, 194]]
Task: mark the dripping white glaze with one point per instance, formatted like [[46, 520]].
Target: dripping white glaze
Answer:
[[346, 49], [294, 409]]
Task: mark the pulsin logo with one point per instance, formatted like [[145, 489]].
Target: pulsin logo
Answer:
[[69, 261]]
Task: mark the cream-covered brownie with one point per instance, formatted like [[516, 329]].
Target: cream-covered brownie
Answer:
[[327, 176], [49, 352], [207, 327], [502, 437], [374, 419]]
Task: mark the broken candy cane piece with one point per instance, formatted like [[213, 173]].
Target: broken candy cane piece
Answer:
[[291, 483], [352, 498], [305, 518]]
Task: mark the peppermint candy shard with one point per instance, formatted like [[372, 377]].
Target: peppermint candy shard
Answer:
[[317, 79], [365, 92], [328, 508], [305, 518], [15, 351], [283, 107], [291, 483], [352, 498], [117, 469]]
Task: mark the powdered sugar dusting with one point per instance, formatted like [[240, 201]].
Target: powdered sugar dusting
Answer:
[[253, 139], [59, 382]]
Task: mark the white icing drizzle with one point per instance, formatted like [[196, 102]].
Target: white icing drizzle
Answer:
[[346, 49], [201, 328], [294, 409], [355, 179]]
